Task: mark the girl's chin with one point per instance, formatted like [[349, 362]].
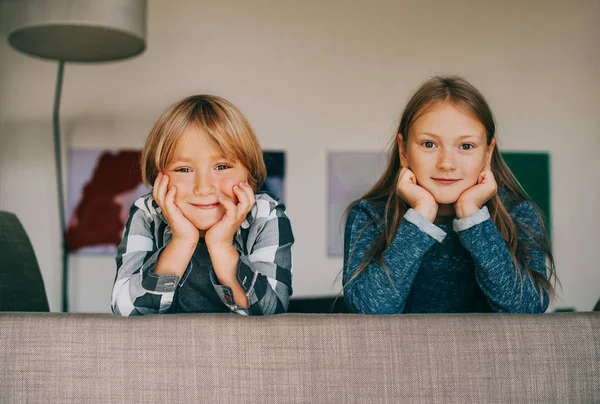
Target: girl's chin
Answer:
[[446, 201], [446, 196]]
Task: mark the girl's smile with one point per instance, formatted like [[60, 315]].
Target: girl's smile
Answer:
[[445, 181]]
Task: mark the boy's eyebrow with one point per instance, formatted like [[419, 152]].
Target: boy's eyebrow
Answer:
[[181, 160], [186, 159]]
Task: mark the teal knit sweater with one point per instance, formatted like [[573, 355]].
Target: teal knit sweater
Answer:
[[458, 268]]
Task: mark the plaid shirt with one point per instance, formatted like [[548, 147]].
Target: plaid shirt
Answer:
[[264, 242]]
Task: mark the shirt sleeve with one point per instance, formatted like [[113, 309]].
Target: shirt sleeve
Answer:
[[507, 288], [137, 289], [373, 291], [265, 272]]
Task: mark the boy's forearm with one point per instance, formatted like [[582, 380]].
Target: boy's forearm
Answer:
[[225, 263], [175, 258]]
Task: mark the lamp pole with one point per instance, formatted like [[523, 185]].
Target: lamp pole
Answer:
[[59, 187]]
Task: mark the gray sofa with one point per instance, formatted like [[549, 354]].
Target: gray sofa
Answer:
[[300, 358]]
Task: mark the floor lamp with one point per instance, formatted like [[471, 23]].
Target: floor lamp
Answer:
[[84, 31]]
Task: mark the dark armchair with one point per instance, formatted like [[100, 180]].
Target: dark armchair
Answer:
[[21, 283]]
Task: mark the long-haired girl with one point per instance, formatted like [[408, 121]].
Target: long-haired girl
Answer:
[[446, 228]]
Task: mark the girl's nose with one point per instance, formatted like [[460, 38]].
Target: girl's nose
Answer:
[[446, 161]]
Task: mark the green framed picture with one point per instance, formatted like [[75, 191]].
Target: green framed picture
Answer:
[[532, 170]]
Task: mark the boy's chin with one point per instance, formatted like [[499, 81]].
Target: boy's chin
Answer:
[[204, 225]]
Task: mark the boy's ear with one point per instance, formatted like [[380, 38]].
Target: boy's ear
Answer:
[[402, 151], [490, 153]]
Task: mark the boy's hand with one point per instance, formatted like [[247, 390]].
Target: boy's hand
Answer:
[[416, 196], [183, 230], [220, 235], [473, 199]]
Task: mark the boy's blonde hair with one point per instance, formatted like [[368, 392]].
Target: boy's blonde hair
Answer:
[[224, 125]]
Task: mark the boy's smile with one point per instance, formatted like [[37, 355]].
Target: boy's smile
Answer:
[[206, 206]]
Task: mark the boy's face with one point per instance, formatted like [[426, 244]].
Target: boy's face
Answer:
[[201, 174], [447, 150]]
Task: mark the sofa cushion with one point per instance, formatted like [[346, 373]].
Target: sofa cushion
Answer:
[[300, 358]]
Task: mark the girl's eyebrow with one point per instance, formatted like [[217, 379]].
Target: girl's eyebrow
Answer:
[[427, 134], [467, 136]]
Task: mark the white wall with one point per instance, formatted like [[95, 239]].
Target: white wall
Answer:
[[314, 76]]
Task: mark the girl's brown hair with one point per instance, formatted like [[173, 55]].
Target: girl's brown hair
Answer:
[[461, 94], [225, 126]]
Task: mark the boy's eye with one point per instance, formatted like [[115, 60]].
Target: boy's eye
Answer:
[[220, 167], [428, 144], [466, 146], [183, 170]]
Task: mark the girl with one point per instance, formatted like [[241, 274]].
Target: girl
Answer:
[[446, 228], [203, 241]]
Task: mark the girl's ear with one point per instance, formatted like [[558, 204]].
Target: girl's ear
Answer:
[[490, 153], [402, 151]]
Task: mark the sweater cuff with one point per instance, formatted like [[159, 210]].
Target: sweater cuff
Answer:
[[425, 225], [473, 220]]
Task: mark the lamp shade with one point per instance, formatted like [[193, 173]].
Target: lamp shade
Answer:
[[78, 30]]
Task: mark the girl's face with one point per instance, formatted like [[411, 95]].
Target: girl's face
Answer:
[[447, 150], [201, 174]]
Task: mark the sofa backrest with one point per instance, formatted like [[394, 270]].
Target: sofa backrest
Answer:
[[300, 358], [21, 284]]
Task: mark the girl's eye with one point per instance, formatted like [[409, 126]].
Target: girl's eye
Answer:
[[221, 167], [428, 145], [466, 146], [183, 170]]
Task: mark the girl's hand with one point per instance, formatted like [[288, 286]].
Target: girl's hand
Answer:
[[416, 196], [183, 230], [473, 199], [220, 235]]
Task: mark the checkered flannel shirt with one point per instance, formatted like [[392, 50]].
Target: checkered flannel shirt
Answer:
[[264, 242]]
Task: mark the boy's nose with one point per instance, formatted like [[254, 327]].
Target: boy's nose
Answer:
[[203, 184]]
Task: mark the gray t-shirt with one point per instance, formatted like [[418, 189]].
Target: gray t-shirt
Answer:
[[197, 294]]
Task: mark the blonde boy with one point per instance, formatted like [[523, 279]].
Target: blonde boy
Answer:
[[204, 240]]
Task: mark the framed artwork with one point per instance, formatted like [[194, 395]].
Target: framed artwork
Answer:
[[532, 170], [350, 175], [103, 184], [275, 182]]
